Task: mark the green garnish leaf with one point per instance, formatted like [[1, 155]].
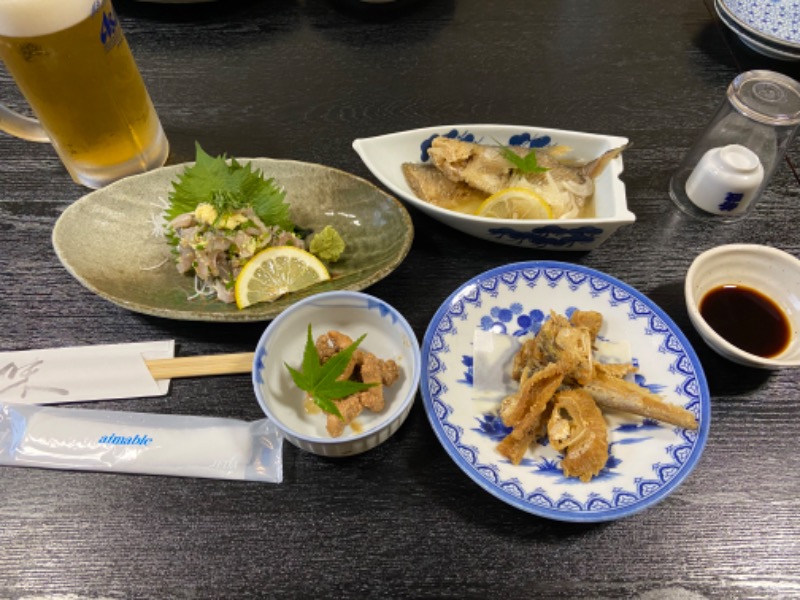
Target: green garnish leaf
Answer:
[[526, 164], [228, 187], [321, 382]]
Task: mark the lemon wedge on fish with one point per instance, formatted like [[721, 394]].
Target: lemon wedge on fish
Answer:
[[515, 203], [277, 271]]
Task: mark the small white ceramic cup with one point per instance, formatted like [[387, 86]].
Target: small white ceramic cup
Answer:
[[761, 111], [725, 180]]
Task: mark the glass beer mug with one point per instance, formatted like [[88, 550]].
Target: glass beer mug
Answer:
[[73, 65]]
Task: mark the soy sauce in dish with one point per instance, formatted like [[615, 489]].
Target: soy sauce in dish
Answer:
[[747, 319]]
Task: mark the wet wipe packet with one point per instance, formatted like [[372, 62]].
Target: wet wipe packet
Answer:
[[143, 443]]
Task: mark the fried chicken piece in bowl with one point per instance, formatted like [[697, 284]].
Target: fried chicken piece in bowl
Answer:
[[375, 383]]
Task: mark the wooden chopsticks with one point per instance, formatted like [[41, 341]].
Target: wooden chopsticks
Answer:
[[200, 366]]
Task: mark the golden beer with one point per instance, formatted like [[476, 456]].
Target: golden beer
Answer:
[[72, 63]]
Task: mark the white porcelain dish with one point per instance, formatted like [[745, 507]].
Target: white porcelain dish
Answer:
[[649, 460], [388, 336], [772, 272], [384, 156], [774, 21]]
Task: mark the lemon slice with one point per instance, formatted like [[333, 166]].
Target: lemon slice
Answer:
[[515, 203], [277, 271]]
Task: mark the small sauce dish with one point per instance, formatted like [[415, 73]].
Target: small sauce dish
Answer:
[[744, 301]]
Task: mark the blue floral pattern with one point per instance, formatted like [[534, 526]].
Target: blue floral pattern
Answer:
[[777, 20], [522, 139], [550, 236]]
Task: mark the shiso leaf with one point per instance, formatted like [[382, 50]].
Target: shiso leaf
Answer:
[[228, 186]]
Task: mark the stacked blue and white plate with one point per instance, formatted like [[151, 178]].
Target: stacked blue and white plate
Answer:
[[769, 27]]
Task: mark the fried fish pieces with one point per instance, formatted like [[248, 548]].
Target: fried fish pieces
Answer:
[[577, 427], [618, 394], [526, 411], [563, 390], [561, 342]]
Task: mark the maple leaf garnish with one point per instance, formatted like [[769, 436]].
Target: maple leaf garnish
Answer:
[[321, 381]]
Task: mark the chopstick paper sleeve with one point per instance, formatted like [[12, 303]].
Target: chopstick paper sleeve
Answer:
[[82, 373]]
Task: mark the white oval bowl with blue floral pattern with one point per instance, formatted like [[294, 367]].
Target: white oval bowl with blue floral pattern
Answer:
[[384, 156], [648, 460], [388, 336]]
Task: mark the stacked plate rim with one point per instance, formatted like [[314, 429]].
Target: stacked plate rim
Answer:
[[770, 27]]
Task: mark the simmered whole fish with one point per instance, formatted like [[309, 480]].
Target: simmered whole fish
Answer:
[[567, 188], [430, 184]]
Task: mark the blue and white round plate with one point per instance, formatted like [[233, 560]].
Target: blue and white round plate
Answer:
[[647, 459], [774, 21], [752, 41]]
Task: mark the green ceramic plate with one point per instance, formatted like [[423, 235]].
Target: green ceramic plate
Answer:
[[107, 240]]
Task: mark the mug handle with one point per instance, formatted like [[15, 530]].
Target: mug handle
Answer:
[[21, 126]]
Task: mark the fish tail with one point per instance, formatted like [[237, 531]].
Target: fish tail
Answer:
[[598, 165]]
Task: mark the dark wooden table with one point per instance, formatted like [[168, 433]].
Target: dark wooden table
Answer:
[[300, 79]]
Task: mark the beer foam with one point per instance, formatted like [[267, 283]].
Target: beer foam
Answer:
[[30, 18]]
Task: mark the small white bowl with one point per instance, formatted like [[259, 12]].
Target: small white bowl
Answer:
[[384, 156], [770, 271], [389, 336]]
